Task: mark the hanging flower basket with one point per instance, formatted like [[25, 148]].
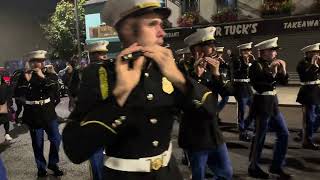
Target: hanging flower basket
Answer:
[[277, 8], [225, 16], [188, 19]]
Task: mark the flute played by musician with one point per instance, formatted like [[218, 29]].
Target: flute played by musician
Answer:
[[308, 96], [202, 140], [264, 74], [36, 87], [242, 88], [134, 122]]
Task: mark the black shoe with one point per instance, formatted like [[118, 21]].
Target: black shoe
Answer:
[[185, 161], [42, 173], [219, 120], [258, 173], [208, 174], [243, 136], [281, 173], [299, 137], [311, 146], [56, 170]]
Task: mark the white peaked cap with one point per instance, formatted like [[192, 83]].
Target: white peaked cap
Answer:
[[38, 54], [313, 47], [185, 50], [116, 10], [268, 44], [201, 35], [219, 49], [100, 46], [245, 46]]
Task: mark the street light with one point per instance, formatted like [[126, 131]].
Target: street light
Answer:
[[77, 28]]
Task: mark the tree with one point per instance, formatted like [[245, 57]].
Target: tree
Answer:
[[61, 30]]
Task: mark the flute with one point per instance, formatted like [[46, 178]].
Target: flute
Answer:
[[33, 71], [131, 57]]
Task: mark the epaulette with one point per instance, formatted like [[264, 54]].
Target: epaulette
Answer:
[[103, 78]]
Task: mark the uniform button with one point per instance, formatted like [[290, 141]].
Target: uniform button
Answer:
[[153, 121], [199, 80], [146, 74], [118, 122], [150, 97], [155, 143]]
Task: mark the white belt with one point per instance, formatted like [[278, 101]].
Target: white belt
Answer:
[[224, 74], [311, 82], [241, 80], [40, 102], [146, 164], [267, 93]]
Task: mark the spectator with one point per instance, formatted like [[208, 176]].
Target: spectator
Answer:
[[71, 79], [4, 119]]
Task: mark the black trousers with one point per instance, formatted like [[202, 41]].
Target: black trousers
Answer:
[[19, 108], [4, 119], [171, 172]]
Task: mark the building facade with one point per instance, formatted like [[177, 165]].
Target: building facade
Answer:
[[295, 22]]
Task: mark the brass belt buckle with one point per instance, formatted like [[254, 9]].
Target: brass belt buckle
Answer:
[[41, 102], [156, 164]]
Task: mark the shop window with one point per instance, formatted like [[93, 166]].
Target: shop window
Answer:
[[163, 3], [222, 5], [226, 11], [190, 6]]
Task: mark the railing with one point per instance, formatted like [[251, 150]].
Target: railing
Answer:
[[294, 78]]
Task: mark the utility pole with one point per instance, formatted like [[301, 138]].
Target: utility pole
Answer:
[[77, 29]]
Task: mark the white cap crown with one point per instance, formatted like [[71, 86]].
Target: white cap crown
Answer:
[[313, 47], [38, 54], [100, 46], [245, 46], [268, 44], [201, 35], [185, 50], [116, 10], [219, 49]]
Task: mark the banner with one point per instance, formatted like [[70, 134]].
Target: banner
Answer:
[[102, 31], [269, 26]]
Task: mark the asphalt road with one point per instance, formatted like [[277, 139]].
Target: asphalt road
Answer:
[[304, 164]]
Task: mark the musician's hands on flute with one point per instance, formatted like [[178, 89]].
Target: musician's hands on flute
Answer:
[[27, 76], [69, 68], [214, 63], [283, 66], [248, 58], [29, 72], [278, 66], [163, 57], [39, 72], [252, 56], [315, 60]]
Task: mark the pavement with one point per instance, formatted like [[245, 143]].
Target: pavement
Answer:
[[304, 164]]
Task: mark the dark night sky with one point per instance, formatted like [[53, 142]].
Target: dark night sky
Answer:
[[20, 31]]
